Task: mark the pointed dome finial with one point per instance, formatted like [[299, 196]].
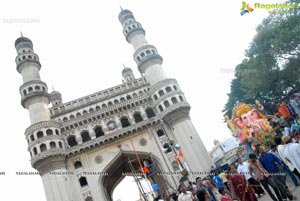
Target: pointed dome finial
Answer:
[[121, 8], [21, 34], [123, 66]]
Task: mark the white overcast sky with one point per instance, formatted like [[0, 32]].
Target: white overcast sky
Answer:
[[82, 48]]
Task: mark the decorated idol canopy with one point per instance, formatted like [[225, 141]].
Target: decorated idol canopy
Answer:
[[247, 119]]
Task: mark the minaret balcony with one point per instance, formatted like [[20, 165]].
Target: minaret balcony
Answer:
[[34, 94], [49, 161], [33, 86], [176, 113], [41, 125], [132, 29], [146, 56], [27, 57]]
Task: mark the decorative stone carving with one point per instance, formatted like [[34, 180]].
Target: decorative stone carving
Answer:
[[143, 142], [98, 159]]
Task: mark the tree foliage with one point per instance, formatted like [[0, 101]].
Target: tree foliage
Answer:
[[271, 67]]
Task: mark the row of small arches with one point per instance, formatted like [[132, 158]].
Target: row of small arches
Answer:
[[25, 57], [145, 53], [103, 106], [85, 136], [162, 92], [43, 147], [167, 104], [132, 26], [149, 113], [41, 134], [32, 89]]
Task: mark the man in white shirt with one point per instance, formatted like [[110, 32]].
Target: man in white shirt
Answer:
[[292, 151], [184, 195], [289, 167]]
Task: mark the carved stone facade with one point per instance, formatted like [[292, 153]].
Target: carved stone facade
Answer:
[[85, 147]]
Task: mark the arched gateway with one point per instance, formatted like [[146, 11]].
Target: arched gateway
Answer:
[[127, 163], [83, 148]]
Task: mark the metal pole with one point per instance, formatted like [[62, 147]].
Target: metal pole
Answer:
[[162, 125]]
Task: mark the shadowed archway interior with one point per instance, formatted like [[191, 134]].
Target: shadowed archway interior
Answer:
[[126, 164]]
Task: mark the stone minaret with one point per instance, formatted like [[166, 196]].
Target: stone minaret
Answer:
[[45, 142], [127, 75], [167, 97]]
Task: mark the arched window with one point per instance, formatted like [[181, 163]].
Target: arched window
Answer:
[[30, 89], [89, 199], [124, 122], [43, 147], [134, 95], [32, 138], [65, 119], [24, 92], [148, 52], [37, 88], [72, 117], [167, 104], [84, 112], [167, 147], [60, 144], [72, 141], [97, 108], [40, 134], [91, 110], [35, 151], [49, 132], [155, 97], [174, 100], [116, 101], [110, 103], [160, 108], [168, 89], [181, 98], [104, 105], [56, 131], [128, 97], [83, 181], [137, 117], [161, 92], [160, 133], [52, 145], [150, 113], [175, 87], [122, 99], [140, 93], [98, 131], [138, 58], [85, 136], [77, 164], [78, 114], [142, 54]]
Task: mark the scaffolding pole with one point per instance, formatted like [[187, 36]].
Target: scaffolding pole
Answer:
[[137, 181]]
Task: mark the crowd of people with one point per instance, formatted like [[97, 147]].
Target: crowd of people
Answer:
[[249, 180], [266, 167]]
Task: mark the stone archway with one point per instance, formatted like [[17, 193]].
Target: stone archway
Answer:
[[119, 167]]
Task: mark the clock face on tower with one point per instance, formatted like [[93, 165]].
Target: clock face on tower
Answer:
[[111, 125]]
